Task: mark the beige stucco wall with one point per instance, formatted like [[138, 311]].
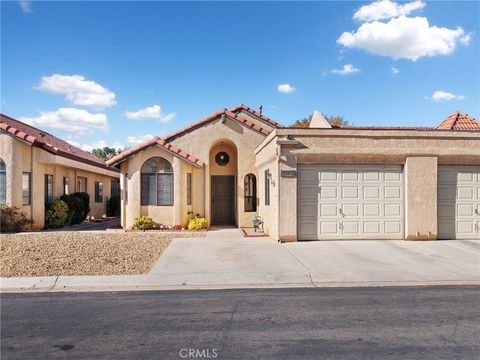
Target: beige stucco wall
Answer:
[[20, 157], [200, 142], [420, 175], [130, 183], [419, 151]]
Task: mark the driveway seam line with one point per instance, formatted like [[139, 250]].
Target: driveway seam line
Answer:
[[301, 263]]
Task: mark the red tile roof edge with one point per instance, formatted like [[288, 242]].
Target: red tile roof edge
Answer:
[[213, 116], [459, 121], [34, 141], [153, 142], [257, 114]]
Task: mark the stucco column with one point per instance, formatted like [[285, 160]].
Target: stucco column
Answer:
[[178, 182], [421, 198], [287, 198], [133, 200]]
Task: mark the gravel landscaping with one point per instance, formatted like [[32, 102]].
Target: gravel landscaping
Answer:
[[83, 253]]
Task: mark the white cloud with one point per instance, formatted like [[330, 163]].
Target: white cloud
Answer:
[[285, 88], [69, 120], [402, 37], [137, 140], [346, 70], [465, 40], [151, 112], [386, 9], [78, 90], [26, 5], [443, 95], [395, 71]]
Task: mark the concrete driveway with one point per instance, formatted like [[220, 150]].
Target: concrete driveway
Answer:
[[226, 258]]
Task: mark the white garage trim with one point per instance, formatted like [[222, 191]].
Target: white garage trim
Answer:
[[350, 202], [459, 202]]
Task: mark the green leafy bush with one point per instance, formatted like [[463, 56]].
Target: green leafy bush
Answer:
[[197, 224], [85, 201], [76, 210], [143, 223], [11, 219], [57, 215], [113, 206]]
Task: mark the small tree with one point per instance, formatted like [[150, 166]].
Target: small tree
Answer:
[[106, 153]]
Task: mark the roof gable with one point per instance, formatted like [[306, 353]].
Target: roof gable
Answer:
[[42, 139], [124, 156], [459, 121], [216, 115], [266, 120]]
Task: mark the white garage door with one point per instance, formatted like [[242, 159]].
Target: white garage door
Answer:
[[459, 202], [350, 202]]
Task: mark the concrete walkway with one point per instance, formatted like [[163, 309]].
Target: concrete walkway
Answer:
[[224, 259]]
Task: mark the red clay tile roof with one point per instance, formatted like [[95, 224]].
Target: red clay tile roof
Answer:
[[155, 142], [459, 121], [215, 115], [266, 119], [48, 142]]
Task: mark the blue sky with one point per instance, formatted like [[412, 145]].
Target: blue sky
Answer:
[[116, 73]]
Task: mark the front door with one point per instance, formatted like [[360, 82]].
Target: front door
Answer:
[[223, 200]]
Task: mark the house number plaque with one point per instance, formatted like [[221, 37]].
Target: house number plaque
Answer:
[[289, 173]]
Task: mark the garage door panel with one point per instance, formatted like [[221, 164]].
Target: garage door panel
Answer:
[[327, 210], [458, 202], [329, 192], [392, 176], [350, 209], [327, 175], [393, 227], [371, 192], [371, 210], [392, 192], [328, 227], [371, 227], [350, 192], [393, 210], [350, 227], [354, 202]]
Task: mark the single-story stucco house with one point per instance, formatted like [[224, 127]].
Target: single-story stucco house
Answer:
[[321, 182], [37, 167]]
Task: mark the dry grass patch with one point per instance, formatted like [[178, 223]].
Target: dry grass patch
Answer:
[[82, 253]]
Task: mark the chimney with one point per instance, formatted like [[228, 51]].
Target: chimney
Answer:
[[319, 122], [260, 109]]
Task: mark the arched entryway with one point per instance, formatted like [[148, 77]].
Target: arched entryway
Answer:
[[223, 166]]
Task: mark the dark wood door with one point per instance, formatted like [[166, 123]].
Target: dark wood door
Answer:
[[223, 200]]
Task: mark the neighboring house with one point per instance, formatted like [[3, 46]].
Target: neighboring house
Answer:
[[322, 182], [36, 167]]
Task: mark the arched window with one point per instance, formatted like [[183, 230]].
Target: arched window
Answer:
[[250, 197], [3, 182], [157, 182]]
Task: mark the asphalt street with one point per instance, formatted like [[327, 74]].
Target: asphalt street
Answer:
[[311, 323]]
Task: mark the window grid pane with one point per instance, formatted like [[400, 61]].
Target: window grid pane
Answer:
[[66, 185], [26, 189], [48, 188], [98, 192], [165, 189], [189, 189]]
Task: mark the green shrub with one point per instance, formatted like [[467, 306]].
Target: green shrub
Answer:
[[57, 215], [197, 224], [85, 201], [11, 219], [113, 206], [143, 223], [76, 211]]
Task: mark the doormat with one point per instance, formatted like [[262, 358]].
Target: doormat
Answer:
[[250, 232]]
